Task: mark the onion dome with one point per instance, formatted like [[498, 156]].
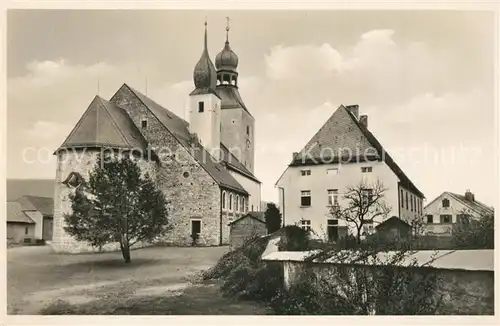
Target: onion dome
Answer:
[[204, 75], [226, 59]]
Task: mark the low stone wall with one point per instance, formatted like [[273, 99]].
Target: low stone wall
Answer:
[[466, 288]]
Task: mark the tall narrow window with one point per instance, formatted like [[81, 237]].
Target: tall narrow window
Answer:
[[401, 199], [333, 197], [332, 227], [366, 196], [430, 219], [230, 202], [223, 200], [446, 203], [406, 200], [236, 203], [144, 123], [305, 198], [26, 230], [411, 202], [248, 130], [242, 204], [195, 227], [201, 106]]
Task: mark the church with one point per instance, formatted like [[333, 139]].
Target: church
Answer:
[[205, 167]]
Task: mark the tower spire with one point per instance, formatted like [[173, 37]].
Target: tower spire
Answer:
[[206, 46], [227, 29]]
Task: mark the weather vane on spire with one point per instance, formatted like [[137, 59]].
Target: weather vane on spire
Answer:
[[227, 29]]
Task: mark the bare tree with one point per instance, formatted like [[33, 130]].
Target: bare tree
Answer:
[[364, 203]]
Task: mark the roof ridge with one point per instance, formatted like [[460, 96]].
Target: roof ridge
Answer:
[[103, 103], [182, 144]]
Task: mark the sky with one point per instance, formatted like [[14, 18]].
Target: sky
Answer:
[[424, 78]]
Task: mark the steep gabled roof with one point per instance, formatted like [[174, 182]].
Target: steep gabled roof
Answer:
[[392, 221], [15, 214], [332, 135], [234, 164], [476, 206], [44, 205], [179, 129], [259, 216], [105, 125]]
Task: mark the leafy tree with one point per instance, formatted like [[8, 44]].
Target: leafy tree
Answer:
[[273, 218], [470, 233], [117, 204], [363, 204]]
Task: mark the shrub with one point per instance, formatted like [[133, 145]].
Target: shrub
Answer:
[[293, 238], [249, 253]]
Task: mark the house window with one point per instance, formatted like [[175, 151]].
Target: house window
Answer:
[[366, 196], [305, 224], [406, 199], [305, 172], [230, 202], [223, 200], [366, 169], [195, 227], [445, 218], [368, 228], [236, 203], [26, 230], [446, 203], [401, 199], [144, 123], [333, 197], [305, 198], [332, 228], [430, 219], [201, 107], [334, 171]]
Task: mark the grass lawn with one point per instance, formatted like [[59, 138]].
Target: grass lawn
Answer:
[[159, 280]]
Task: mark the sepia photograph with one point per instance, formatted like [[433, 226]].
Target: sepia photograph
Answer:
[[251, 162]]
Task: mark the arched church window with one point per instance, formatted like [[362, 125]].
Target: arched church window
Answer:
[[248, 144], [236, 208], [248, 130], [230, 202], [223, 200], [74, 180]]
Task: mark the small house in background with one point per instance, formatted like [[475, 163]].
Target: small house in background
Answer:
[[393, 228], [449, 208], [248, 226], [19, 225], [30, 219]]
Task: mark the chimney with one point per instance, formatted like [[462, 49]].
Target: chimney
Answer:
[[364, 120], [354, 110], [469, 196]]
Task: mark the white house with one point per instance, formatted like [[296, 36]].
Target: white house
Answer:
[[341, 154], [449, 208]]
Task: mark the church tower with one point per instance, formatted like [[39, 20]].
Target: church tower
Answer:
[[237, 130], [205, 103]]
